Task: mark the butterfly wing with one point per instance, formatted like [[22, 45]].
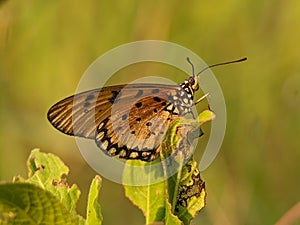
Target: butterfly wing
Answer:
[[77, 115], [129, 121]]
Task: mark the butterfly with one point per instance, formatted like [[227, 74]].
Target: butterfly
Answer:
[[127, 120]]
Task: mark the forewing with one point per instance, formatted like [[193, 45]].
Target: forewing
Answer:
[[80, 114], [127, 120]]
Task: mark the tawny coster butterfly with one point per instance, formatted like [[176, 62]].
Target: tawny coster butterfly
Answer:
[[131, 131]]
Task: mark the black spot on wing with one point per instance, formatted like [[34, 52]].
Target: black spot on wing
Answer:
[[139, 105], [155, 91], [124, 117], [115, 98], [89, 97], [86, 104], [139, 94], [157, 99]]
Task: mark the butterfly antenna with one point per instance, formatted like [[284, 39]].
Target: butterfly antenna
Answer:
[[218, 64], [193, 69]]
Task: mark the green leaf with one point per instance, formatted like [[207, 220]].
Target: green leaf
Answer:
[[93, 214], [181, 195], [188, 191], [206, 116], [49, 172], [182, 132], [170, 218], [24, 203], [152, 199], [186, 188]]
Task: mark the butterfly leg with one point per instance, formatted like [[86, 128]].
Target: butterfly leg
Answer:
[[202, 98]]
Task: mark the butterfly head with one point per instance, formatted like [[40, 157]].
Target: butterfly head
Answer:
[[194, 83], [190, 85]]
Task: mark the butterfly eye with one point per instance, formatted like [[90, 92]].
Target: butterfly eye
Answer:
[[193, 83]]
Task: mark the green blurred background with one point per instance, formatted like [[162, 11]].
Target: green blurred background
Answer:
[[45, 47]]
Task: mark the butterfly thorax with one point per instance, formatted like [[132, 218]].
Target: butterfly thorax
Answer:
[[186, 95]]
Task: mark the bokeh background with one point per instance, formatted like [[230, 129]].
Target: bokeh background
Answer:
[[45, 47]]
